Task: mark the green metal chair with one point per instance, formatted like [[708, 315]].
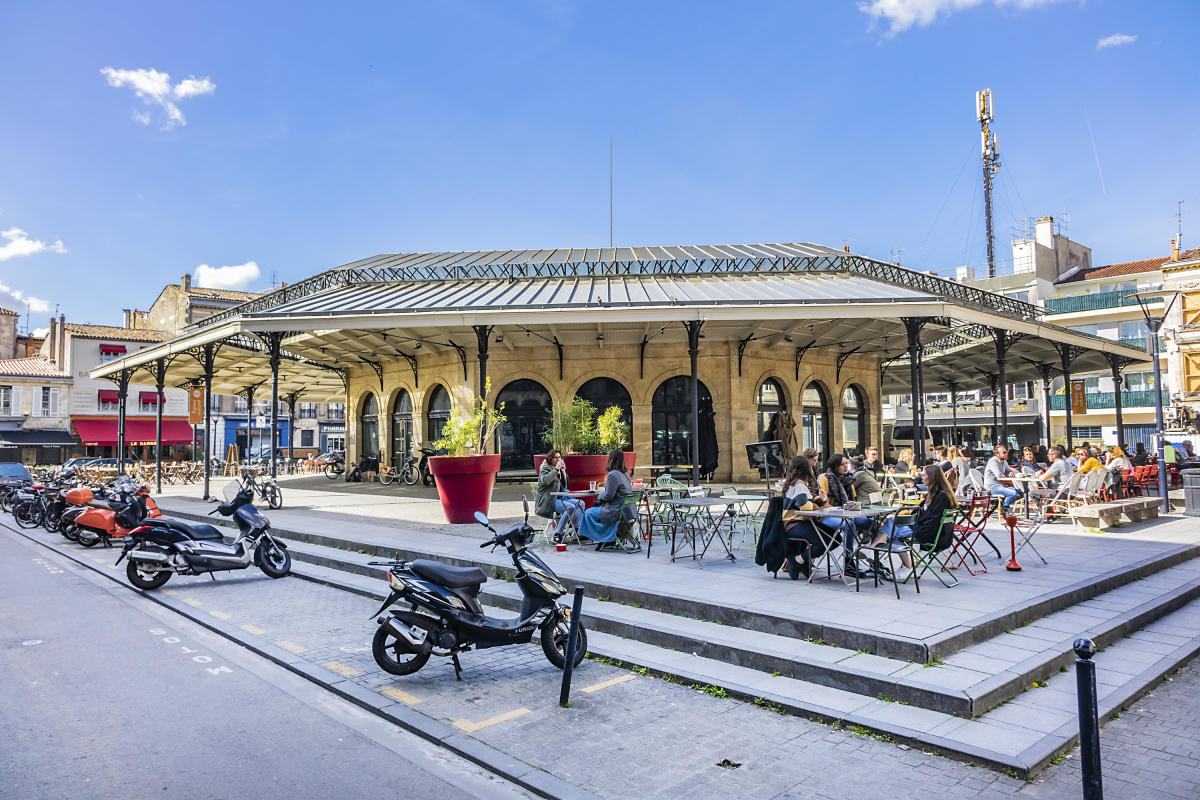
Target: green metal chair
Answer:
[[927, 556]]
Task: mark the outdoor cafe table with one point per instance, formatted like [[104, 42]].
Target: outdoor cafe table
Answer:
[[845, 528], [1026, 481], [705, 520], [578, 494]]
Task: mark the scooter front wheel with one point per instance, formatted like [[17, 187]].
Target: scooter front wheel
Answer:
[[392, 659], [554, 643], [273, 560]]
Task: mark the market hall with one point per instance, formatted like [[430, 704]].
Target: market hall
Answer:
[[680, 338]]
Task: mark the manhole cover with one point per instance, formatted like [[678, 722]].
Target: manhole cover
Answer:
[[32, 641]]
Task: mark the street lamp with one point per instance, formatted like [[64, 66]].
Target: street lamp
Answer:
[[1154, 323]]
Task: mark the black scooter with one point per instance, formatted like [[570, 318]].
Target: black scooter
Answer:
[[445, 618], [163, 546]]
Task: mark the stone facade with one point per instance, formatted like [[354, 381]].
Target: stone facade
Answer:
[[734, 395]]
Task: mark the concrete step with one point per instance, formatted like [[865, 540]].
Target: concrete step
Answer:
[[966, 684], [789, 621]]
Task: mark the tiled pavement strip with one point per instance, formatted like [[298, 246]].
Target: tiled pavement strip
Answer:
[[645, 737]]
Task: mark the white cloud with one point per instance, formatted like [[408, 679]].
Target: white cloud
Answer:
[[903, 14], [39, 333], [19, 244], [238, 277], [17, 300], [155, 88], [1116, 40]]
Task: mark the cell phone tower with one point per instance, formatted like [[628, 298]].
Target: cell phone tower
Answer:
[[985, 113]]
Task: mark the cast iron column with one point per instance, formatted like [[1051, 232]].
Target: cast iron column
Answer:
[[1067, 352], [249, 419], [161, 376], [1002, 344], [953, 387], [122, 394], [913, 327], [1155, 325], [1115, 363], [483, 333], [693, 331], [208, 376]]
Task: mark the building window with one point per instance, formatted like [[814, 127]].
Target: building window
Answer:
[[1134, 329], [240, 406], [337, 411], [1085, 433], [854, 414], [306, 438], [1138, 381], [528, 412], [402, 428], [671, 416], [1089, 329], [771, 400], [148, 402], [815, 421], [604, 393], [6, 401], [45, 402], [308, 411], [109, 400], [337, 442], [436, 414], [107, 357], [369, 428]]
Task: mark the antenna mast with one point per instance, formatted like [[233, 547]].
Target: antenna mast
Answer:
[[984, 108]]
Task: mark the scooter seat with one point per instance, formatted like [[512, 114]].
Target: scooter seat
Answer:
[[197, 531], [450, 577]]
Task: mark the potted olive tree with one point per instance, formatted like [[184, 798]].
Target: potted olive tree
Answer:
[[585, 440], [466, 474]]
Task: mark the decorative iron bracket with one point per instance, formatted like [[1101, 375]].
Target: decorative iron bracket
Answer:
[[800, 351], [378, 372], [462, 355], [841, 359], [412, 362]]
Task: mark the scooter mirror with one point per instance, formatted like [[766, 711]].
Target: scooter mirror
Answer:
[[482, 520], [525, 503]]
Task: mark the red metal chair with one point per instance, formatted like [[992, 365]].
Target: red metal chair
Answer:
[[1149, 482], [967, 532]]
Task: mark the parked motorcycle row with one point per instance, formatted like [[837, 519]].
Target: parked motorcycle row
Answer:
[[443, 617]]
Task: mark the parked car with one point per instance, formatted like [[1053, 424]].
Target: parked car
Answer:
[[79, 461], [14, 475], [901, 436]]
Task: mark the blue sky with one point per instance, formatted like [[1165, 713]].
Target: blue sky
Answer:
[[312, 135]]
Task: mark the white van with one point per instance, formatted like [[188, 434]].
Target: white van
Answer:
[[898, 437]]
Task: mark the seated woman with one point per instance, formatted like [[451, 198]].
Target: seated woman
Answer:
[[925, 528], [801, 493], [553, 478], [1029, 459], [601, 521], [839, 486], [866, 485]]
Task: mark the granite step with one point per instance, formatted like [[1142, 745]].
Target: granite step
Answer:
[[965, 684]]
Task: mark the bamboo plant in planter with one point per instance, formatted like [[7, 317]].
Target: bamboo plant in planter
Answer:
[[585, 440], [466, 474]]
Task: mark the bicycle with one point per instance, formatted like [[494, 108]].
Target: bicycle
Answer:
[[265, 487], [407, 473], [335, 469]]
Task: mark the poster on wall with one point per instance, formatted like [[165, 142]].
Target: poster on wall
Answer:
[[1078, 397]]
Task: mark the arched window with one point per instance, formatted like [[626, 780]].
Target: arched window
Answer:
[[527, 411], [402, 428], [854, 418], [671, 417], [437, 414], [814, 421], [369, 427], [604, 393], [771, 400]]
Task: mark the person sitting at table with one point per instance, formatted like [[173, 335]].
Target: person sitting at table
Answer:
[[1059, 470], [872, 461], [865, 483], [813, 455], [997, 469], [1087, 461], [838, 484], [1116, 459], [962, 466], [553, 478], [904, 461], [1028, 458], [602, 520], [1139, 455], [801, 493]]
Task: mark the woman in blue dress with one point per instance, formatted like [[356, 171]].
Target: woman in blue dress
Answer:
[[601, 521]]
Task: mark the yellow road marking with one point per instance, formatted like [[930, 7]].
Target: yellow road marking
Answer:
[[221, 615], [113, 566], [191, 602], [291, 648], [471, 727], [254, 630], [604, 685], [340, 669], [168, 591], [403, 697]]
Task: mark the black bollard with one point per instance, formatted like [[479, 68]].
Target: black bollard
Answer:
[[1089, 723], [564, 696]]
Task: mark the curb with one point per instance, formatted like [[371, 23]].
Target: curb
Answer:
[[514, 770]]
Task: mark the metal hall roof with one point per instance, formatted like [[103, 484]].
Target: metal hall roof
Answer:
[[789, 297]]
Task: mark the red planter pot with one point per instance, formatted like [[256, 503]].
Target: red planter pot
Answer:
[[582, 470], [464, 485]]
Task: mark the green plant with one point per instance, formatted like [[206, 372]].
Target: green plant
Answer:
[[934, 662], [602, 598], [776, 674], [641, 671], [573, 428], [1057, 759], [495, 572], [714, 691], [469, 435], [613, 433]]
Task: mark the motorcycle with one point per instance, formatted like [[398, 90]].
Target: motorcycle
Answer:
[[102, 520], [423, 466], [164, 546], [445, 617]]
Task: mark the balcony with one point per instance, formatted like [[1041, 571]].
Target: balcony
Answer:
[[1094, 302], [1098, 401]]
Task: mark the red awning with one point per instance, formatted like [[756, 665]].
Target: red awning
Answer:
[[109, 396], [148, 397], [103, 432], [112, 348]]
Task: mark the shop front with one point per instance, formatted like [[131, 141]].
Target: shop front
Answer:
[[258, 437], [332, 436], [98, 437]]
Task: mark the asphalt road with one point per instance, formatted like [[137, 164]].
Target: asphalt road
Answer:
[[108, 695]]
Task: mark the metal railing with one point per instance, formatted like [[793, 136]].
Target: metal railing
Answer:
[[1102, 400], [1096, 301]]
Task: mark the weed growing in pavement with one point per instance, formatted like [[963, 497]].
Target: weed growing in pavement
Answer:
[[1026, 623], [602, 598], [1010, 772], [720, 622], [509, 577], [776, 674], [934, 662], [887, 699], [714, 691], [495, 572], [859, 730], [636, 605], [1057, 759], [669, 678], [811, 640], [863, 652], [641, 671], [1063, 668]]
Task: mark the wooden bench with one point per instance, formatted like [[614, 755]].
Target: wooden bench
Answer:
[[1105, 515]]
